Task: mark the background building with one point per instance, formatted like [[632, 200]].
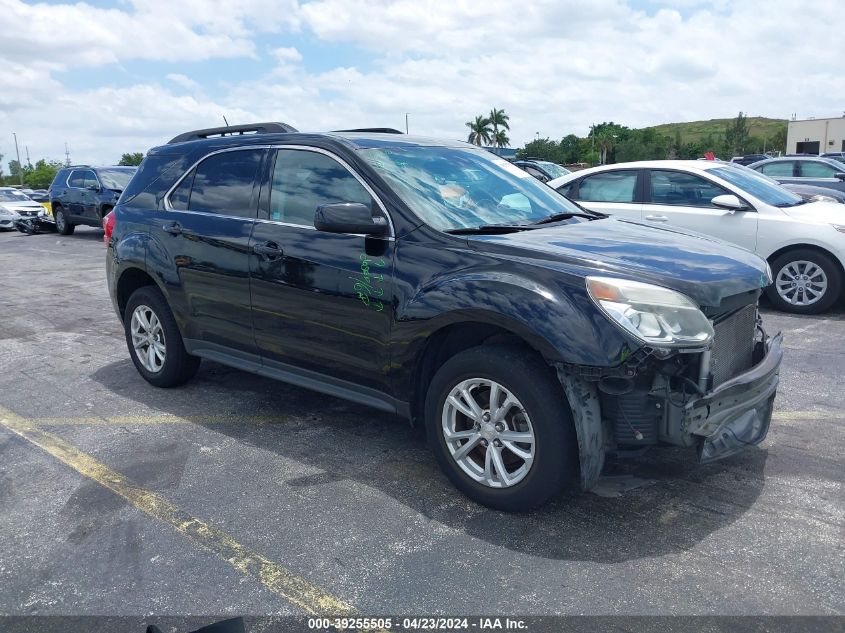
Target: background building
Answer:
[[816, 136]]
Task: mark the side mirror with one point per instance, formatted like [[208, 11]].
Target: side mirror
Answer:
[[729, 202], [840, 175], [349, 217]]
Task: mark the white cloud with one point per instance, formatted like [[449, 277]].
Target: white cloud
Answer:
[[556, 67]]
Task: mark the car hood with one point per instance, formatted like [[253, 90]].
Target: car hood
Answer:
[[819, 212], [704, 269], [14, 206]]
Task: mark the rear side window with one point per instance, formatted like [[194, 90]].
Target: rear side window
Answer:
[[609, 186], [815, 169], [678, 188], [223, 183], [304, 180], [88, 179], [182, 194], [76, 178], [781, 169]]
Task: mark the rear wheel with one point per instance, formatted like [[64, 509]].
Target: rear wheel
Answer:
[[500, 427], [805, 282], [154, 341], [63, 225]]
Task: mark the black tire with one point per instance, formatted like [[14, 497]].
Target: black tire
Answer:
[[178, 366], [533, 383], [63, 225], [826, 263]]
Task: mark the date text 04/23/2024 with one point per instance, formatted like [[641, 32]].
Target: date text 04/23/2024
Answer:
[[418, 624]]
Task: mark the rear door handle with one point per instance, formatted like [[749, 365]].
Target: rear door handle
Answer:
[[174, 228], [268, 250], [657, 218]]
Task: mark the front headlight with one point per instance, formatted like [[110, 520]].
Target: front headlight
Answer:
[[839, 227], [655, 315], [823, 198]]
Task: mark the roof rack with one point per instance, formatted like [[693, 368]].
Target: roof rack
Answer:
[[234, 130], [374, 130]]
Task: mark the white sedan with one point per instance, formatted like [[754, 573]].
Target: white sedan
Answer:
[[804, 242], [14, 205]]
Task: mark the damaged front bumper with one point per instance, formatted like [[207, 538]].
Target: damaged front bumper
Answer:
[[737, 413]]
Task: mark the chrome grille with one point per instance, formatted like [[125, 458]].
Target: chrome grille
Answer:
[[733, 345]]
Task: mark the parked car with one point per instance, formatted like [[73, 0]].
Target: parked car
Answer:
[[804, 170], [807, 192], [437, 281], [804, 242], [84, 195], [840, 156], [15, 205], [542, 170], [749, 158]]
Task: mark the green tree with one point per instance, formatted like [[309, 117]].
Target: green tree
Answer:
[[479, 131], [569, 149], [500, 139], [132, 159], [14, 168], [778, 140], [541, 148], [42, 174], [737, 136], [498, 119]]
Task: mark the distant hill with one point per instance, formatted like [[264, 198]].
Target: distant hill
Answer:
[[693, 131]]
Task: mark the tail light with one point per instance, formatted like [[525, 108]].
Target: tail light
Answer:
[[108, 227]]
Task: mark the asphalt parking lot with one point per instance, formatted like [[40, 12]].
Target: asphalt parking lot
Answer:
[[239, 495]]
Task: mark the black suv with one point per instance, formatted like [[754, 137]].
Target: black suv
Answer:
[[84, 195], [435, 280]]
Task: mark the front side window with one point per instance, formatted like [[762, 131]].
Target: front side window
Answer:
[[452, 188], [815, 169], [609, 186], [303, 181], [781, 169], [89, 179], [681, 189], [223, 183]]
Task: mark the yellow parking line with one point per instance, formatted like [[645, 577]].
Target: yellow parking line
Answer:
[[129, 420], [275, 577], [808, 415]]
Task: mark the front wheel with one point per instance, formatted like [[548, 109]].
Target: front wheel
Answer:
[[154, 341], [805, 282], [500, 427]]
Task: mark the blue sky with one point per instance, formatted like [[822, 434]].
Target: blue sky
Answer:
[[111, 77]]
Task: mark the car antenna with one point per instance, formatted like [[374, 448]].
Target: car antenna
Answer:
[[225, 121]]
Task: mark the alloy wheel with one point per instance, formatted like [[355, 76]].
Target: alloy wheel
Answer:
[[801, 283], [148, 339], [488, 433]]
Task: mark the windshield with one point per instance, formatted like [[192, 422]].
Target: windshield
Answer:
[[760, 188], [13, 196], [115, 178], [456, 188], [553, 169]]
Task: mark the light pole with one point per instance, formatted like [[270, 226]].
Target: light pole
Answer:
[[17, 151], [406, 122]]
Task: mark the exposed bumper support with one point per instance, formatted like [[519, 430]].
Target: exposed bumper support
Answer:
[[586, 414], [737, 413]]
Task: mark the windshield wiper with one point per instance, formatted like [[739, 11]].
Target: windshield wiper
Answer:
[[557, 217], [490, 229]]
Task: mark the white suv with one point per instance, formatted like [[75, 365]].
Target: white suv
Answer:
[[804, 242]]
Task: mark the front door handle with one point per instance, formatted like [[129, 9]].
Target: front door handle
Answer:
[[174, 228], [657, 218], [268, 250]]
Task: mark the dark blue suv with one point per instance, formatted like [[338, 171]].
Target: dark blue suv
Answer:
[[84, 195], [434, 280]]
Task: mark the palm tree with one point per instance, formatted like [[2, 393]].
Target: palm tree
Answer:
[[500, 139], [498, 119], [479, 131]]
